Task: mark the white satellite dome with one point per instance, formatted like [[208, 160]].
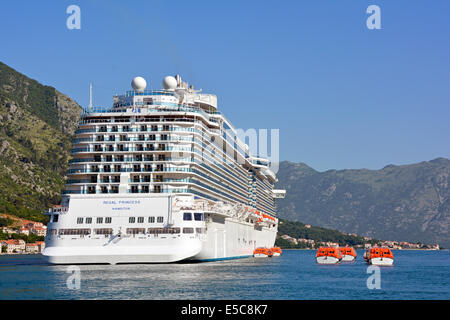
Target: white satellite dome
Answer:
[[139, 84], [169, 83]]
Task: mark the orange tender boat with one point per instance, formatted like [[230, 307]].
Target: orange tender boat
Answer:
[[262, 253], [276, 251], [328, 255], [348, 253], [379, 256]]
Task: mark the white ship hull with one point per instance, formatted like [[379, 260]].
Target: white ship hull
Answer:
[[224, 236]]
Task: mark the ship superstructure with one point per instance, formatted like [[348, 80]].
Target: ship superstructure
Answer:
[[161, 177]]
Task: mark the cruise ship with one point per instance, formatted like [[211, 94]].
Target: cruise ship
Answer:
[[161, 177]]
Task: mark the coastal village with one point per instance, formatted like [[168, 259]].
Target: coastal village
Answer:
[[396, 245], [23, 227]]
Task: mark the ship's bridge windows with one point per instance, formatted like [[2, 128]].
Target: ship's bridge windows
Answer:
[[108, 220], [188, 230], [99, 220], [140, 220], [187, 216], [151, 219], [88, 220], [131, 220], [198, 216], [80, 220], [55, 218], [160, 219]]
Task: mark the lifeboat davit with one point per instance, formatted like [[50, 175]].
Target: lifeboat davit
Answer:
[[328, 255], [348, 253], [262, 253], [379, 256], [276, 251]]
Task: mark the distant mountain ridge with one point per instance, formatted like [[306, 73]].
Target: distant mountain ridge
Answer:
[[405, 203], [37, 123]]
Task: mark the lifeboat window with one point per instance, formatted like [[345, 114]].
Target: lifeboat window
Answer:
[[151, 219], [188, 230], [160, 219], [198, 216], [187, 216]]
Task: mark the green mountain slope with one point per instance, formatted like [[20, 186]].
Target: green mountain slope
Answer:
[[405, 203], [36, 127]]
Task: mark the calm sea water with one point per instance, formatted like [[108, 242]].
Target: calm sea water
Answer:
[[294, 275]]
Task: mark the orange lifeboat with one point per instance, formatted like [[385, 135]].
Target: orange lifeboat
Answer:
[[348, 253], [276, 251], [328, 255], [379, 256], [262, 253]]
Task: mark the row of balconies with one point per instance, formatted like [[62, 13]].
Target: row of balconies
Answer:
[[124, 138]]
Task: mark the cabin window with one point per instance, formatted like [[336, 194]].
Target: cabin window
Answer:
[[74, 232], [103, 231], [198, 216], [55, 218], [135, 230], [188, 230], [187, 216], [160, 219]]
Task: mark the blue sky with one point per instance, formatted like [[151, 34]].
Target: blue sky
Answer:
[[343, 96]]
